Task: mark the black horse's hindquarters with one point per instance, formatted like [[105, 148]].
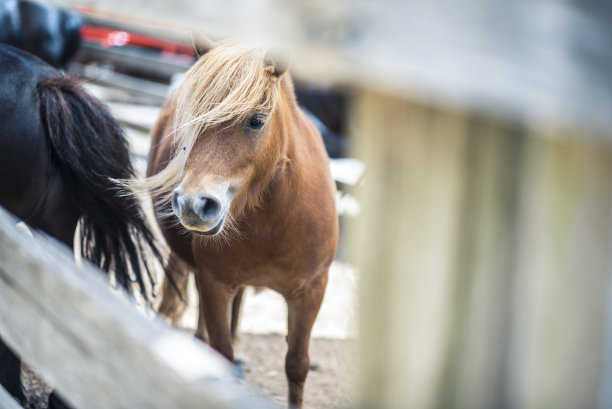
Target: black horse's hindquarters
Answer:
[[23, 147], [29, 185], [25, 159], [59, 150]]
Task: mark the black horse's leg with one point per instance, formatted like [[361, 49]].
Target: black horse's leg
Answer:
[[10, 373], [55, 402], [59, 219]]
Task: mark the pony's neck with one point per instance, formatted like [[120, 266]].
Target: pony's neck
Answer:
[[294, 141], [288, 90], [290, 125]]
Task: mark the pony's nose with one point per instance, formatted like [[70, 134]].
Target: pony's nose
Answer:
[[180, 203], [207, 207], [195, 212]]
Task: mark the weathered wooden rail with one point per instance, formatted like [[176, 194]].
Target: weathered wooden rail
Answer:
[[92, 344], [485, 239]]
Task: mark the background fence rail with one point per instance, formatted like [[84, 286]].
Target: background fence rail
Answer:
[[545, 61]]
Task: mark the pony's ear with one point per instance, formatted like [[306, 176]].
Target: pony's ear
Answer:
[[201, 43], [275, 66]]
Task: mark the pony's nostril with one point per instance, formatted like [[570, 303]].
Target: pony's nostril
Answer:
[[207, 207], [175, 203]]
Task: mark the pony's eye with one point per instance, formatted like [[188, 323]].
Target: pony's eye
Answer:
[[257, 121]]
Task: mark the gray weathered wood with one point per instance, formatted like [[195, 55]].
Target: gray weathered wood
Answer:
[[561, 284], [546, 61], [154, 91], [92, 344], [410, 224], [485, 258]]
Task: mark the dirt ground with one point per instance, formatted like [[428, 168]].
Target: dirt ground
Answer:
[[327, 387], [261, 345]]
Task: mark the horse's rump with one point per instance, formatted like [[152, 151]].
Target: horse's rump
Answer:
[[91, 153]]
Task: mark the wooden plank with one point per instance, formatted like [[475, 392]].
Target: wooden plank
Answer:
[[92, 344], [410, 224], [561, 287], [545, 61], [485, 257], [139, 117], [148, 64], [155, 92]]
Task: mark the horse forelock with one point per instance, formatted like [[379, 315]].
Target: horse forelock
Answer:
[[224, 87]]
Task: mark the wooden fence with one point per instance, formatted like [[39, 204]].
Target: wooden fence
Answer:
[[484, 242], [92, 344]]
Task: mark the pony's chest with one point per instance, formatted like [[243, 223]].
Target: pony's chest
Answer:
[[278, 249], [269, 262]]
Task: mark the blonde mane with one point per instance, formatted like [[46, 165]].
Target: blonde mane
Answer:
[[225, 86]]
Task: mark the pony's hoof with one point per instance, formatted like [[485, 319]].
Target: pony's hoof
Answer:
[[314, 366], [238, 368]]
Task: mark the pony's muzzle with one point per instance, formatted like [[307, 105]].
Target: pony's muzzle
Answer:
[[201, 214], [207, 208]]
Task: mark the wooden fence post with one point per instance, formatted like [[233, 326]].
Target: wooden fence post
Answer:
[[562, 275], [484, 251]]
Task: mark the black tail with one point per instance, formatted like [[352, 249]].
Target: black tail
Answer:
[[90, 149]]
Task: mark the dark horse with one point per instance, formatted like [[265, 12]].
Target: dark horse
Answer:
[[60, 151], [48, 32]]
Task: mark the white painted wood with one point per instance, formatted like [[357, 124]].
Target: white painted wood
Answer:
[[92, 344]]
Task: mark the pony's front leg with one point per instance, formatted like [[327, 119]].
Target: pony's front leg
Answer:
[[302, 311], [215, 304], [201, 329]]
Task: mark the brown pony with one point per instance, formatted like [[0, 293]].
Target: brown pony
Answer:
[[246, 174]]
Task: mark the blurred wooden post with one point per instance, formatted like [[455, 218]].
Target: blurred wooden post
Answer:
[[562, 275], [409, 224], [484, 250]]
